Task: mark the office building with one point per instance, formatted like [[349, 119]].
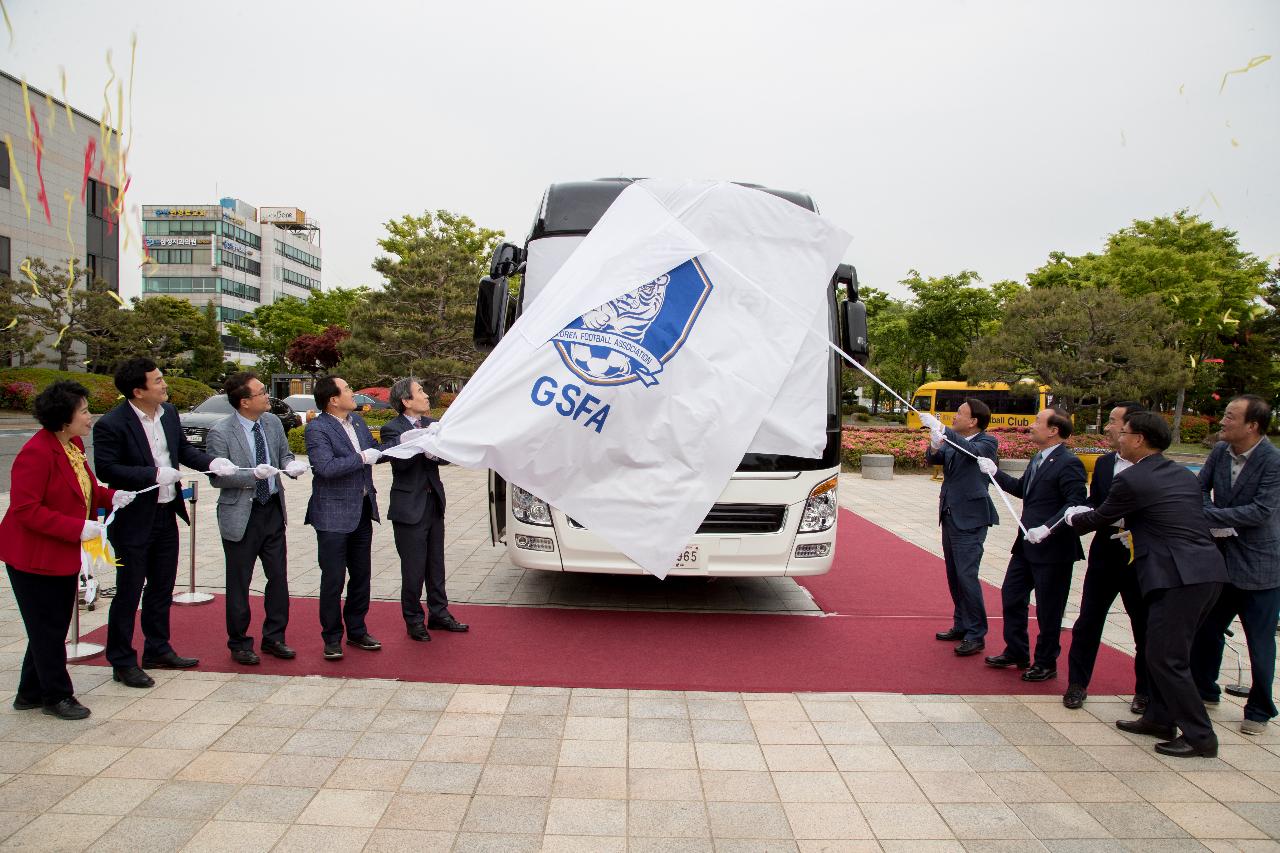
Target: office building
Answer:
[[231, 255]]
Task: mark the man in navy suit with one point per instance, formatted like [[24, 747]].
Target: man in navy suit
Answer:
[[1179, 570], [1053, 481], [1240, 482], [965, 512], [1110, 573], [417, 517], [139, 444], [342, 509]]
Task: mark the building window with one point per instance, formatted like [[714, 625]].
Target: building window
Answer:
[[4, 165], [239, 262], [172, 256], [297, 255], [236, 233], [102, 238], [288, 276], [6, 264]]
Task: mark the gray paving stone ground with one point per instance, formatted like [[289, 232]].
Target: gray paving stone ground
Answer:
[[222, 761]]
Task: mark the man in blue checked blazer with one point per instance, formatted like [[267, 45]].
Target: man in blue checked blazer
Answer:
[[342, 509], [1240, 482]]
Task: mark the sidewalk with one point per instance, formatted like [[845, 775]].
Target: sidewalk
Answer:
[[212, 761]]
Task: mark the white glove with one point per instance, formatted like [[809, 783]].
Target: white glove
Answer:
[[1124, 536], [92, 530], [167, 476], [122, 499], [987, 466], [1073, 511], [222, 467], [1036, 535], [1222, 532], [931, 422], [371, 455], [936, 439], [265, 471], [297, 468]]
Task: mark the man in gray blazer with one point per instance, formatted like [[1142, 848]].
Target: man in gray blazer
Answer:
[[251, 514], [417, 516], [342, 509], [1240, 482]]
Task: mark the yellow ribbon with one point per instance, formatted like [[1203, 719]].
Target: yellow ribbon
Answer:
[[71, 122], [8, 24], [99, 552], [25, 266], [71, 259], [17, 175], [1253, 63]]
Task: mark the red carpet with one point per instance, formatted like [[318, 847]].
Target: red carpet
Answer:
[[890, 596]]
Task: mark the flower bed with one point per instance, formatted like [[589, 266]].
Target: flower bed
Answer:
[[908, 446]]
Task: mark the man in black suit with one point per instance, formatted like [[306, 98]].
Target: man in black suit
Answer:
[[417, 517], [1053, 481], [965, 512], [1110, 573], [139, 444], [1179, 570]]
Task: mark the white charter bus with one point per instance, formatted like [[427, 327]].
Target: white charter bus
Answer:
[[777, 516]]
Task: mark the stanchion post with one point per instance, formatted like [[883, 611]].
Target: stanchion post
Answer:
[[76, 650], [191, 597]]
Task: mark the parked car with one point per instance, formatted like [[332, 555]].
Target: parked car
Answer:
[[196, 423], [305, 405]]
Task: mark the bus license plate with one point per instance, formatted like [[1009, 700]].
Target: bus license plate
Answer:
[[689, 558]]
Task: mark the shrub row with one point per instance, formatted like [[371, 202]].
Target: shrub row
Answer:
[[908, 446], [19, 387]]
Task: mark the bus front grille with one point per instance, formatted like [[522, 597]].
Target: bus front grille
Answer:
[[736, 518]]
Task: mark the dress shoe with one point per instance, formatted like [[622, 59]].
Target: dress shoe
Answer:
[[132, 676], [1143, 727], [1139, 704], [447, 623], [950, 635], [1179, 748], [1074, 697], [67, 709], [21, 704], [332, 651], [1247, 726], [169, 660], [1003, 661], [1039, 673], [418, 632], [248, 657], [279, 650], [1214, 701], [970, 647], [367, 642]]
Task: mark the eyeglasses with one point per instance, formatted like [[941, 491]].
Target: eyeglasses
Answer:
[[1129, 432], [261, 393]]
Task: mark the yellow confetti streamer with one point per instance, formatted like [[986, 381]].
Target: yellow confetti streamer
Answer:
[[71, 122], [12, 323], [1182, 88], [61, 332], [99, 552], [17, 175], [25, 266], [1253, 63], [1209, 195], [1228, 320], [8, 24], [1235, 143], [53, 112], [71, 258], [116, 297], [133, 61], [26, 107]]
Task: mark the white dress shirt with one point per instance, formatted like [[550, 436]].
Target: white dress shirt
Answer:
[[154, 431]]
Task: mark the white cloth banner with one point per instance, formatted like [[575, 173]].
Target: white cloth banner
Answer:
[[628, 393]]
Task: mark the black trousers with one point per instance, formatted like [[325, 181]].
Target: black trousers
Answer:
[[342, 555], [962, 552], [146, 573], [1051, 583], [1108, 576], [263, 539], [46, 603], [1173, 617], [1257, 609], [421, 550]]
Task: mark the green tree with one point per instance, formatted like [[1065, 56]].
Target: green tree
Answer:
[[54, 307], [1196, 270], [18, 341], [206, 364], [950, 313], [893, 356], [1087, 344], [269, 329], [422, 320]]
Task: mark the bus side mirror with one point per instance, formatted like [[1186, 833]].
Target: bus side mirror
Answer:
[[491, 313], [853, 330], [506, 261], [847, 277]]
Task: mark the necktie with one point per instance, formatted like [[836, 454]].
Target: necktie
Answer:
[[417, 423], [1031, 473], [261, 488]]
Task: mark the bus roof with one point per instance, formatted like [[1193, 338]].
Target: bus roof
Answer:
[[955, 385]]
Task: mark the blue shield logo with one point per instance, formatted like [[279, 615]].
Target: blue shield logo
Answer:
[[634, 336]]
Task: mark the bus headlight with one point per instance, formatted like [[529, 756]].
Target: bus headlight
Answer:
[[820, 508], [528, 509]]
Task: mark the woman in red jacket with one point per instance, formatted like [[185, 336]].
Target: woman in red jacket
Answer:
[[53, 497]]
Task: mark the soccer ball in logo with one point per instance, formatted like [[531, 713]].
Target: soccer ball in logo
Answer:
[[599, 362]]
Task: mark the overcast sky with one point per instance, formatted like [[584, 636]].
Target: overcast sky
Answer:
[[943, 135]]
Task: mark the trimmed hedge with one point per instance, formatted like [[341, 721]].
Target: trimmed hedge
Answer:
[[908, 446], [103, 396]]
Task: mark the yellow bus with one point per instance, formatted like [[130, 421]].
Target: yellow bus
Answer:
[[1008, 408]]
